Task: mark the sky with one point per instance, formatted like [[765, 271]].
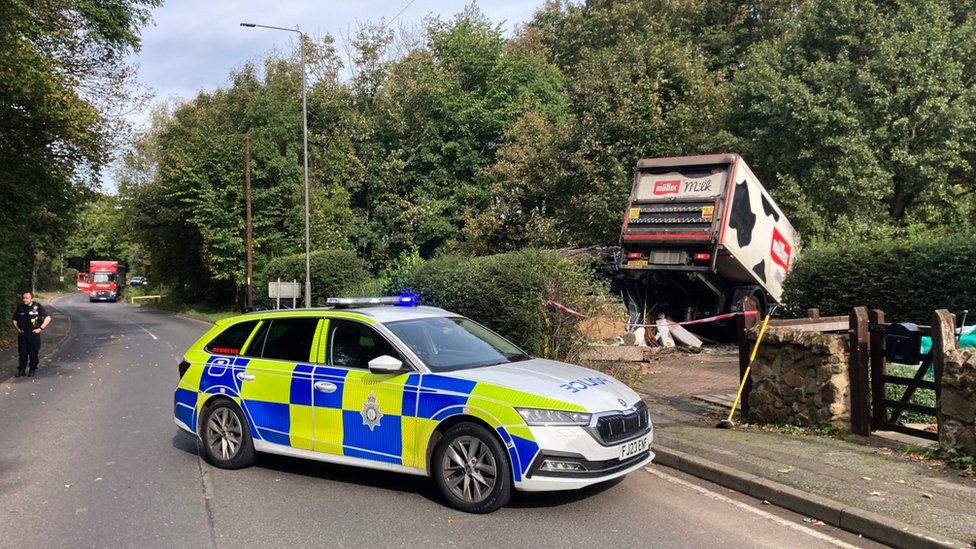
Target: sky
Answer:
[[193, 45]]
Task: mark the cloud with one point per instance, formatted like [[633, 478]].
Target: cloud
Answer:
[[193, 45]]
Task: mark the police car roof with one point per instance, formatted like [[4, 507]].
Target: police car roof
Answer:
[[391, 313], [380, 313]]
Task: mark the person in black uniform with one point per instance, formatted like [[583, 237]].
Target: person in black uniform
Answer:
[[30, 319]]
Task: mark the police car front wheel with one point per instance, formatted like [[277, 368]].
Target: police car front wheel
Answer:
[[226, 438], [472, 469]]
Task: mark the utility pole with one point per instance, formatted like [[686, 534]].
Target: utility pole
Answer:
[[247, 197]]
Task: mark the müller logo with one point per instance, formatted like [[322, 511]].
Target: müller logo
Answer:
[[669, 186], [780, 250]]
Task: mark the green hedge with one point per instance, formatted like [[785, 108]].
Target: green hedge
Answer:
[[508, 293], [907, 279], [334, 273]]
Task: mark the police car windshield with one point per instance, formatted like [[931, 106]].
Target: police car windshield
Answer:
[[455, 343]]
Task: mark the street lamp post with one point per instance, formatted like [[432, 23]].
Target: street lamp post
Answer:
[[308, 255]]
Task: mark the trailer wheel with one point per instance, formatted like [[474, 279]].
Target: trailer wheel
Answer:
[[760, 297], [751, 293]]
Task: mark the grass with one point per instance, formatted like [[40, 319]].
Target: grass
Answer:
[[202, 312], [953, 457], [922, 397], [828, 431]]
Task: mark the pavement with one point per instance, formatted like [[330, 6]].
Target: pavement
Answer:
[[90, 456], [864, 484]]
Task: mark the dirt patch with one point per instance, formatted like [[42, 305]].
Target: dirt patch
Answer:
[[674, 372]]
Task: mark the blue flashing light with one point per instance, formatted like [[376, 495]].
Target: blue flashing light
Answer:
[[407, 300]]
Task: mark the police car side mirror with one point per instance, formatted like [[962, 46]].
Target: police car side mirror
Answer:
[[385, 364]]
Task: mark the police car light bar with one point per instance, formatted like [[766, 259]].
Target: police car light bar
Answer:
[[403, 300]]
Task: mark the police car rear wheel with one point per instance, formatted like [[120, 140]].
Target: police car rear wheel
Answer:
[[472, 469], [226, 438]]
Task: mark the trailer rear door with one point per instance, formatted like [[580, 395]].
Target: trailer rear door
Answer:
[[675, 204]]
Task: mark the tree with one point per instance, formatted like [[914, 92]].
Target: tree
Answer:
[[525, 191], [638, 86], [58, 60], [862, 115], [447, 107], [99, 232], [185, 186]]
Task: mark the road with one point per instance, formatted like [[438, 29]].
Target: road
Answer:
[[90, 457]]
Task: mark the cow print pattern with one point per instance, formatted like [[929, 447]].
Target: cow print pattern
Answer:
[[760, 270], [741, 217], [743, 220], [768, 208]]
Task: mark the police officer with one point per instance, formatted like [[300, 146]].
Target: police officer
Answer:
[[30, 319]]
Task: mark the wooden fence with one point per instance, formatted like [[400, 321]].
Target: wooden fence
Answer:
[[870, 406]]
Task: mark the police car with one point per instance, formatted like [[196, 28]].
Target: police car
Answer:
[[386, 384]]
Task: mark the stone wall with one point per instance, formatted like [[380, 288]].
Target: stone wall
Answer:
[[800, 378], [957, 403]]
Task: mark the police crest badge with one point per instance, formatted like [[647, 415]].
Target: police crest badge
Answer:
[[371, 412]]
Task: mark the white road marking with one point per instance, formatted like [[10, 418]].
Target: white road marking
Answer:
[[779, 520], [145, 330], [139, 326]]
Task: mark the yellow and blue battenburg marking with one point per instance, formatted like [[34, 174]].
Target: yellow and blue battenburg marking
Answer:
[[287, 409]]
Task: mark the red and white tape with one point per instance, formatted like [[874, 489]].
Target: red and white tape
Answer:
[[670, 322]]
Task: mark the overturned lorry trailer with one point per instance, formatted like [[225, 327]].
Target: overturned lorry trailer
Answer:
[[701, 235]]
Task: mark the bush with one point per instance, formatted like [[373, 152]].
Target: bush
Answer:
[[509, 294], [907, 279], [334, 273]]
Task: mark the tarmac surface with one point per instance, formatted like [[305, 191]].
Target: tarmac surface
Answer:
[[90, 457]]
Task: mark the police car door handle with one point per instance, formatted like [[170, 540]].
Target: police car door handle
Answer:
[[243, 376], [325, 386]]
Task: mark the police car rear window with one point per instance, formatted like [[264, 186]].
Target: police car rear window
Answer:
[[231, 340], [290, 339]]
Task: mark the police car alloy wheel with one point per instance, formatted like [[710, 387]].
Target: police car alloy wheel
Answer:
[[472, 469], [226, 438]]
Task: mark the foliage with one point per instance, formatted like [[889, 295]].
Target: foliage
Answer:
[[858, 115], [334, 273], [184, 190], [193, 310], [99, 233], [443, 113], [638, 86], [863, 115], [795, 430], [906, 278], [954, 457], [62, 72], [396, 275], [509, 294], [922, 397]]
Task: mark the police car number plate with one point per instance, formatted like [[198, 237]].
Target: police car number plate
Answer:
[[633, 447]]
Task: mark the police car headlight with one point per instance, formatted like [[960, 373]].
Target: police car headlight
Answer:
[[536, 416]]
